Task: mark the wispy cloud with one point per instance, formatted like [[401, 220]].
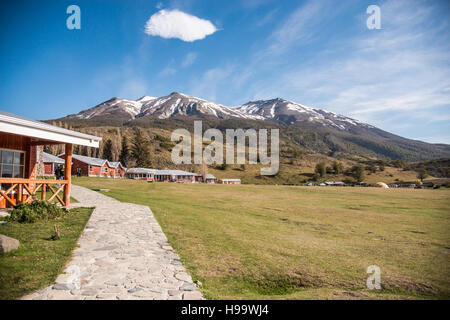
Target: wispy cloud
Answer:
[[269, 16], [390, 77], [296, 28], [189, 59], [168, 71], [211, 82], [177, 24]]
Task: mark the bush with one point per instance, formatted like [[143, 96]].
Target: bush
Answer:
[[321, 169], [37, 210]]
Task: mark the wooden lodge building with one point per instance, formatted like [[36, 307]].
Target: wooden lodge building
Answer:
[[19, 138], [120, 170], [94, 167], [51, 163]]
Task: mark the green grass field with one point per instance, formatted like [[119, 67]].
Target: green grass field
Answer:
[[38, 260], [282, 242]]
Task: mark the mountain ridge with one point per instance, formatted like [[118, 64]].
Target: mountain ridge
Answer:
[[302, 127]]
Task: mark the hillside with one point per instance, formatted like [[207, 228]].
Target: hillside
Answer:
[[302, 128], [296, 165]]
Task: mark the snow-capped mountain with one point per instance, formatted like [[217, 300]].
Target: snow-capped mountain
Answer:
[[310, 128], [290, 112], [179, 104], [113, 109]]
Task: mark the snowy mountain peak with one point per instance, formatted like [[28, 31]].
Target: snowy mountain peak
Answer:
[[180, 104], [291, 112], [145, 99]]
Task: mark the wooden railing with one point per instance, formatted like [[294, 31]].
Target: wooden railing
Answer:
[[24, 190]]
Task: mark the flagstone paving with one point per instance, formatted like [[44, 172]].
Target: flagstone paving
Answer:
[[122, 254]]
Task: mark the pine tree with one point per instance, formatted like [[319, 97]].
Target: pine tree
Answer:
[[107, 150], [125, 152], [337, 167], [140, 149]]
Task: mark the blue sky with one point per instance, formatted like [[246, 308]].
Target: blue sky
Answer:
[[318, 53]]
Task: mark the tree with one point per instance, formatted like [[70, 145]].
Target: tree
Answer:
[[358, 173], [337, 167], [124, 152], [422, 174], [371, 168], [107, 150], [321, 169], [398, 163], [84, 151], [140, 149]]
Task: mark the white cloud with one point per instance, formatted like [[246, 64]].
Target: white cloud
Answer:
[[189, 59], [177, 24]]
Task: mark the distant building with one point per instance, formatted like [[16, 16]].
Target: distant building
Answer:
[[161, 175], [51, 162], [119, 169], [211, 179], [95, 167], [335, 183], [140, 174], [230, 181], [174, 176]]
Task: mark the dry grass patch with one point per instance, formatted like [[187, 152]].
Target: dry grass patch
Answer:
[[287, 242]]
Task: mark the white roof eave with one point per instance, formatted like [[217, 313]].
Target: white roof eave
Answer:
[[36, 129]]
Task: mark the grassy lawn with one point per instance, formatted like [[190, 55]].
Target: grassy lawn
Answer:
[[39, 260], [282, 242]]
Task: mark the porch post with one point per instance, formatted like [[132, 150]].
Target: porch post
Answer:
[[67, 173]]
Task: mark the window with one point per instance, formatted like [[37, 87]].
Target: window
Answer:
[[12, 164]]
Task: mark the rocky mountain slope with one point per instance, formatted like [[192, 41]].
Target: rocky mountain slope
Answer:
[[301, 127]]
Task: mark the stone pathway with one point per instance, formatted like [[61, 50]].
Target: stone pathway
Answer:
[[122, 254]]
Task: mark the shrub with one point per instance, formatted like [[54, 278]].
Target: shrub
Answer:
[[321, 169], [37, 210], [358, 173]]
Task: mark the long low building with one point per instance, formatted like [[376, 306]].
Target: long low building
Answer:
[[230, 181], [157, 175]]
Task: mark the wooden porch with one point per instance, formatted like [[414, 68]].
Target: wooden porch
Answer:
[[19, 139], [25, 190]]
